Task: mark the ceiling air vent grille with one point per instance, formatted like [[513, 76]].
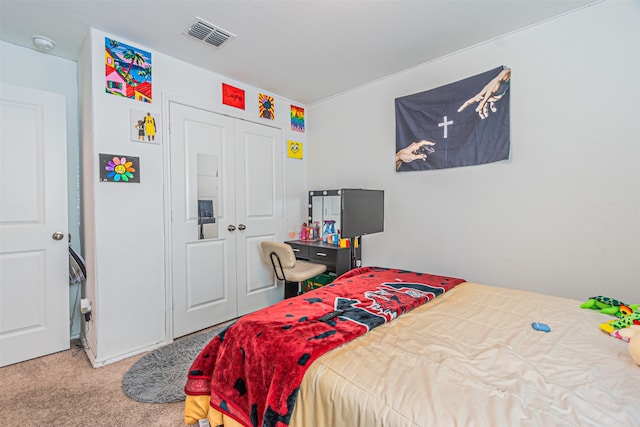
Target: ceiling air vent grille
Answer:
[[208, 33]]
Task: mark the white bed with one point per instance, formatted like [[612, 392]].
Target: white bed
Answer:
[[471, 358]]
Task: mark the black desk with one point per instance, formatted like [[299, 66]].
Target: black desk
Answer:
[[338, 260]]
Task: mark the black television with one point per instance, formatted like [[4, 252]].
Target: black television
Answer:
[[362, 212]]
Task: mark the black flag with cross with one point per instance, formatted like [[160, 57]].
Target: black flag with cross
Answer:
[[461, 124]]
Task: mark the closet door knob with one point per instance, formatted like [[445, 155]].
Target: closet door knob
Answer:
[[241, 227], [57, 236], [231, 227]]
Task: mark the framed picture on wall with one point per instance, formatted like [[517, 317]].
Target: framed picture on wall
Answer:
[[127, 71], [119, 168], [144, 126]]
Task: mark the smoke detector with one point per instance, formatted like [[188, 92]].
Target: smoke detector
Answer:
[[43, 43], [208, 32]]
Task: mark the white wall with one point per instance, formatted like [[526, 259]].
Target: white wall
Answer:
[[31, 68], [125, 223], [562, 216]]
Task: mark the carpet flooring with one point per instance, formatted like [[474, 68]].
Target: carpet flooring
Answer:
[[64, 390]]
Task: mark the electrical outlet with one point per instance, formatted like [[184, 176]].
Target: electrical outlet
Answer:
[[85, 305]]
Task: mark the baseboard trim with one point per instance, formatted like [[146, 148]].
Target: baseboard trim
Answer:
[[96, 363]]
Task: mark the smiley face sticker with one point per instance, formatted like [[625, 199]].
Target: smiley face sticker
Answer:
[[294, 149]]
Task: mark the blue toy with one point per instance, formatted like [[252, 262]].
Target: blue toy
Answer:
[[541, 327]]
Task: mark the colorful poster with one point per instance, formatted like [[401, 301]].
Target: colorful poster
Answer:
[[297, 118], [266, 106], [144, 126], [294, 149], [119, 168], [232, 96], [460, 124], [127, 71]]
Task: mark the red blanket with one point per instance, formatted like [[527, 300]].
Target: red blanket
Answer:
[[253, 369]]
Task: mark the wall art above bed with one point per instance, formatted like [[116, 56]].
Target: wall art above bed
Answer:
[[461, 124]]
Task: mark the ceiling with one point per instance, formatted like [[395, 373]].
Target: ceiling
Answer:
[[304, 50]]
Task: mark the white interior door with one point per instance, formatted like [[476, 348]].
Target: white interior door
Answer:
[[34, 281], [203, 270], [259, 211]]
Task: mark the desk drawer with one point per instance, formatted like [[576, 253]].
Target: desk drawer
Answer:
[[300, 251], [325, 255]]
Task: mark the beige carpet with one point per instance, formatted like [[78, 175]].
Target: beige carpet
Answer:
[[63, 389]]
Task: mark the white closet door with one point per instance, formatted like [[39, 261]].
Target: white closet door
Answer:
[[203, 271], [217, 270], [34, 254], [259, 211]]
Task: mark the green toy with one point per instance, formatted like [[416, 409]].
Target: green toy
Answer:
[[608, 305], [623, 322]]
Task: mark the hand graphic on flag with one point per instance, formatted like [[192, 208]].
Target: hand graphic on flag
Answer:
[[415, 151], [491, 93]]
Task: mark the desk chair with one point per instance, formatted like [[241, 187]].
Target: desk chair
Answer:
[[285, 265]]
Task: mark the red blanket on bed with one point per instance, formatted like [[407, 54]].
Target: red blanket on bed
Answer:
[[253, 369]]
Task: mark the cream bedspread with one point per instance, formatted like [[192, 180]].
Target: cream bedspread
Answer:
[[471, 358]]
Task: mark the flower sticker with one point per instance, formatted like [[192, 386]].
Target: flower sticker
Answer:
[[117, 168], [120, 169]]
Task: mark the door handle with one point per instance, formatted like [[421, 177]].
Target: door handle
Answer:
[[57, 236], [241, 227], [231, 227]]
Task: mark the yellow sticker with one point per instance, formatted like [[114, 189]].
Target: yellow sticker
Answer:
[[294, 149]]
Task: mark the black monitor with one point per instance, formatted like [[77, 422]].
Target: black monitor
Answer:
[[362, 212]]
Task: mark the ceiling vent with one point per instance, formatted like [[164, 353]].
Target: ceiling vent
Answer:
[[208, 33]]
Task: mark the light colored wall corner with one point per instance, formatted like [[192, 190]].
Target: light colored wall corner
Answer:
[[562, 216]]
